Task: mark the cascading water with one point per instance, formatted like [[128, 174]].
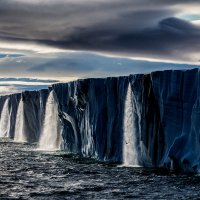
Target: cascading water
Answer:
[[19, 135], [50, 137], [130, 157], [5, 120]]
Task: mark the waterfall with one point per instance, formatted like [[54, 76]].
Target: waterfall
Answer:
[[50, 136], [19, 135], [130, 157], [5, 120]]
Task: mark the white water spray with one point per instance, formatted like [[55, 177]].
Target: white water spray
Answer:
[[5, 120], [130, 157], [19, 125], [50, 136]]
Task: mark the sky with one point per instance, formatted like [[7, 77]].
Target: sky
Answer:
[[64, 40]]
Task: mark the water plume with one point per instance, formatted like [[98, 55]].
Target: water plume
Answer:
[[19, 135], [130, 157], [50, 136], [5, 120]]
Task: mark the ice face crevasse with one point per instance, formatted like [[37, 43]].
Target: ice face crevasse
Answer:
[[69, 119], [19, 135], [50, 138], [87, 138], [130, 156], [5, 120]]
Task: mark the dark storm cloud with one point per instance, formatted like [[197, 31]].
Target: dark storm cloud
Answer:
[[170, 38], [143, 28]]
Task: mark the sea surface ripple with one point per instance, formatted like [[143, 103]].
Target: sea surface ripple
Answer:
[[29, 174]]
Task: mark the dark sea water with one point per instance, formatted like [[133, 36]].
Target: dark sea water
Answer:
[[29, 174]]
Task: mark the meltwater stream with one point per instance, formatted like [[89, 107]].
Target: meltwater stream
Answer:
[[5, 120], [19, 135], [130, 157], [29, 174], [50, 137]]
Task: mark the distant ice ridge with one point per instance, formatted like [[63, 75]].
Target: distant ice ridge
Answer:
[[150, 120], [50, 136], [5, 120]]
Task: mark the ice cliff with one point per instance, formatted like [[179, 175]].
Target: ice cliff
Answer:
[[150, 120]]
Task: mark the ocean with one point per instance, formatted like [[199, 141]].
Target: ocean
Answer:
[[26, 173]]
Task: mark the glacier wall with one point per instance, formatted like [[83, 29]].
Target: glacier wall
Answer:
[[28, 120], [151, 120]]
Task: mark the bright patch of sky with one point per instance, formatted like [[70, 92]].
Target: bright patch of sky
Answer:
[[191, 17]]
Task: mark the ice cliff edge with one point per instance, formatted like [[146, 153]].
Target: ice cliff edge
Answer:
[[144, 119]]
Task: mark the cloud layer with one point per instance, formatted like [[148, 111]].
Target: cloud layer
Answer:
[[73, 65], [134, 28], [16, 85]]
